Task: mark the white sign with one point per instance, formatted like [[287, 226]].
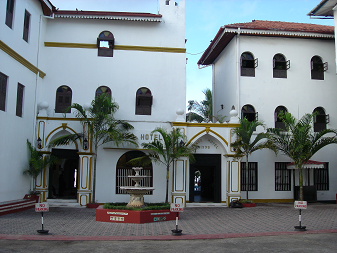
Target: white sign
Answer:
[[41, 207], [177, 207], [300, 205]]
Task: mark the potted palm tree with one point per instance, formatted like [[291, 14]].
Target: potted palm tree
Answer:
[[245, 145], [103, 128], [36, 164]]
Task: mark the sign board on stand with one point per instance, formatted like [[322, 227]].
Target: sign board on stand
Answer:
[[300, 204], [177, 207], [41, 207]]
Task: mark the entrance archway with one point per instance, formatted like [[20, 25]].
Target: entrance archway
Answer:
[[205, 187], [63, 177]]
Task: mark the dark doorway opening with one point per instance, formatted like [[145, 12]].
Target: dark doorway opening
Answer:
[[205, 179], [63, 177]]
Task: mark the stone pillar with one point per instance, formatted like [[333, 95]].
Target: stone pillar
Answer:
[[84, 188], [179, 181], [42, 182], [234, 171]]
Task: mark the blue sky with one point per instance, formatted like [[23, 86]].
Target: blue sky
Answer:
[[203, 20]]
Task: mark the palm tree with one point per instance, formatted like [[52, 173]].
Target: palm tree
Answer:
[[202, 111], [299, 142], [37, 163], [172, 148], [245, 146], [103, 128]]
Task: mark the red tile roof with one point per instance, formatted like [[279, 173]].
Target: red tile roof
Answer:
[[106, 13], [283, 26], [263, 28]]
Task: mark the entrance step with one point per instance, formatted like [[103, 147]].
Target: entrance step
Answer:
[[63, 203], [207, 204]]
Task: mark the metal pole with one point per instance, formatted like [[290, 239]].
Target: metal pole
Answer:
[[42, 220], [177, 222]]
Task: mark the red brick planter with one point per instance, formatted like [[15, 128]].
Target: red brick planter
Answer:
[[130, 216], [248, 204]]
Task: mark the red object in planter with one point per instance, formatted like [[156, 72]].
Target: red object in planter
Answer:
[[131, 216], [248, 204], [92, 205]]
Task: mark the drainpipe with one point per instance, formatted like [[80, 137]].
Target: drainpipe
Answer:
[[238, 66]]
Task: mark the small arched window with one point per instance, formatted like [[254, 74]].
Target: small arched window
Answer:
[[280, 66], [143, 101], [278, 122], [318, 68], [103, 90], [248, 64], [124, 170], [63, 99], [248, 112], [105, 44], [320, 119]]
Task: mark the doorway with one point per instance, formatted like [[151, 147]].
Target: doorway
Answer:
[[205, 179], [63, 177]]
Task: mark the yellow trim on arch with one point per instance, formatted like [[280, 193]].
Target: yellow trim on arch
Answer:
[[4, 47], [64, 127], [117, 47], [207, 129]]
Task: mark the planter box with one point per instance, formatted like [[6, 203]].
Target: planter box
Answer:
[[248, 204], [136, 217]]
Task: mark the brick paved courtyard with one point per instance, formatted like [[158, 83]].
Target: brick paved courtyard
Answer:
[[193, 221]]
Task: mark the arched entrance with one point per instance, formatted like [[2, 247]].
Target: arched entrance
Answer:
[[63, 177], [205, 178]]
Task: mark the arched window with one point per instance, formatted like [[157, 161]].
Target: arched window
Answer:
[[143, 101], [320, 119], [248, 64], [103, 90], [124, 170], [63, 99], [248, 112], [105, 44], [318, 68], [280, 66], [278, 122]]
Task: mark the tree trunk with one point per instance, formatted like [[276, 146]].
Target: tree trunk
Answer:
[[301, 183], [247, 177], [167, 182]]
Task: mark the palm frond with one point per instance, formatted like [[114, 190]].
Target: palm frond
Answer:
[[65, 139]]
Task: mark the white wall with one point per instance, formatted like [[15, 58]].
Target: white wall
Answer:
[[14, 130]]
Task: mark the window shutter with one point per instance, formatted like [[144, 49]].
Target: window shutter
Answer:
[[288, 65], [325, 66], [256, 62], [327, 119]]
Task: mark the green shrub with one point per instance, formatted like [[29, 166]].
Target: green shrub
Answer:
[[148, 206]]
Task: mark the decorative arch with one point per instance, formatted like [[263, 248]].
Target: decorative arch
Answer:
[[103, 90], [212, 133], [123, 170], [59, 129], [280, 66], [278, 122], [320, 119], [318, 68]]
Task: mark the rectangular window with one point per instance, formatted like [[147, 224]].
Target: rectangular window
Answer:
[[282, 177], [26, 26], [3, 90], [252, 176], [10, 13], [19, 100], [321, 178]]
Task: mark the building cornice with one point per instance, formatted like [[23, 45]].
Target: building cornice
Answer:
[[117, 47], [4, 47]]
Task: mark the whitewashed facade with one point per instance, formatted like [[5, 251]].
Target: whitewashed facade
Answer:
[[263, 91]]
